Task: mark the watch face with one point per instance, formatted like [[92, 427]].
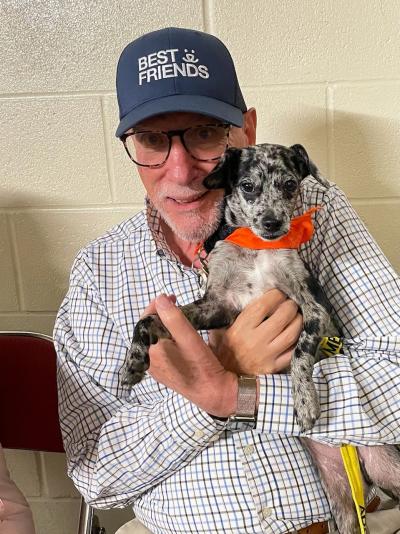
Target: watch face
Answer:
[[247, 397]]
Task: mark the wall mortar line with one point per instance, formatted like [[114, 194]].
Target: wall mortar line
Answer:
[[330, 130], [12, 236], [30, 314], [108, 150], [44, 486], [54, 94], [65, 208], [208, 21]]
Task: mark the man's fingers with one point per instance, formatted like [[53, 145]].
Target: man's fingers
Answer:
[[215, 337], [282, 363], [279, 319], [255, 312], [287, 339]]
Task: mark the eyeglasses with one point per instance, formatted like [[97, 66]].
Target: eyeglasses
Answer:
[[151, 148]]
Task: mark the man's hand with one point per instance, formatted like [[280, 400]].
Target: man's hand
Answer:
[[187, 365], [255, 345]]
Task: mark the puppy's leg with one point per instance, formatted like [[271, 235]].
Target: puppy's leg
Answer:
[[300, 287], [315, 323], [204, 314], [210, 312], [382, 466], [305, 397], [329, 463]]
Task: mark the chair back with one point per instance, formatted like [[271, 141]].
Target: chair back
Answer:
[[28, 392]]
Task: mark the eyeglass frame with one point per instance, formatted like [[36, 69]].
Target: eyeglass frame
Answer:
[[170, 134]]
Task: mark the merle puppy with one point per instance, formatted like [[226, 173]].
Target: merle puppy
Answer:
[[261, 184]]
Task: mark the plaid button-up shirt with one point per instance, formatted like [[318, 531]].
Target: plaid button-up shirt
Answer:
[[182, 471]]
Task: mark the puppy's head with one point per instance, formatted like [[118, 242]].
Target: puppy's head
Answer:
[[261, 184]]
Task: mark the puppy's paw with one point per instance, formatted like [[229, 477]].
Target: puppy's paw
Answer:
[[306, 405], [137, 364], [147, 332]]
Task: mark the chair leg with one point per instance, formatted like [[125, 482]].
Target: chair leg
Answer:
[[88, 522], [85, 518], [96, 528]]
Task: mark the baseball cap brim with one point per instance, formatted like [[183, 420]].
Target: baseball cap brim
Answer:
[[182, 103]]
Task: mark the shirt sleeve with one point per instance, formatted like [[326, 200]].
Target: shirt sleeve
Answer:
[[117, 446], [359, 391]]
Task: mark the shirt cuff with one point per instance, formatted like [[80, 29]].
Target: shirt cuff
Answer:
[[275, 409], [190, 426]]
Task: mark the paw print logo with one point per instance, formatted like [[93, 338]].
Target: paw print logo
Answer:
[[190, 57]]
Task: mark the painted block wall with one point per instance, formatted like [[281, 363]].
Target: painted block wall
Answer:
[[322, 73]]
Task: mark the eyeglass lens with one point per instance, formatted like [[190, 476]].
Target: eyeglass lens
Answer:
[[205, 142]]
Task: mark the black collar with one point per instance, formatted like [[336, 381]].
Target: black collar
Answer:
[[220, 234]]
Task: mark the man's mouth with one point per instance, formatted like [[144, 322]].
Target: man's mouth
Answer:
[[188, 200]]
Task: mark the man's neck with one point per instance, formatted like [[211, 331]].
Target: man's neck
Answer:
[[185, 250]]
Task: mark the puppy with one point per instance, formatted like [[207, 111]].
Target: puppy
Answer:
[[261, 184]]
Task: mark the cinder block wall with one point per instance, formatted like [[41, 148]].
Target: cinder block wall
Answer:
[[322, 73]]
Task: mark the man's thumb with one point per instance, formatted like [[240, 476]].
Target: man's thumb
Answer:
[[173, 319], [163, 303]]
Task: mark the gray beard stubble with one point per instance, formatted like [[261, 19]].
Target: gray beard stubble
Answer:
[[204, 229]]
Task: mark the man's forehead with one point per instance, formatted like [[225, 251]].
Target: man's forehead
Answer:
[[179, 119]]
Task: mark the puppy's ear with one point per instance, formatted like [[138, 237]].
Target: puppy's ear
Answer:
[[301, 161], [227, 168], [306, 166]]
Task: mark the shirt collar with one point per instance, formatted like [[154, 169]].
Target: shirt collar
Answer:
[[154, 223]]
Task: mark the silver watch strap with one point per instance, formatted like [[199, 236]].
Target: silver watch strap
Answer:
[[246, 411]]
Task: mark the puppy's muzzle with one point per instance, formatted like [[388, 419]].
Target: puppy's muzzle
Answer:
[[272, 226]]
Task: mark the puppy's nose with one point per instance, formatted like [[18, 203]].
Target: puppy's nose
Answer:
[[272, 225]]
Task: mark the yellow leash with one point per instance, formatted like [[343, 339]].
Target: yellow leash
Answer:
[[331, 346], [352, 466]]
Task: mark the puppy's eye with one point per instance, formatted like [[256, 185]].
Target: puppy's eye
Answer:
[[247, 187], [290, 185]]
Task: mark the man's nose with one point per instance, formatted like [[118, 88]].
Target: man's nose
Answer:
[[180, 162]]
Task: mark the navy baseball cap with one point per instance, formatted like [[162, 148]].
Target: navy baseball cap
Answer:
[[176, 69]]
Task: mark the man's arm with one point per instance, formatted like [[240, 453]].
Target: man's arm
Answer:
[[118, 443], [359, 391]]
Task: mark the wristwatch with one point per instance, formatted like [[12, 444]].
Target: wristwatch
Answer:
[[246, 411]]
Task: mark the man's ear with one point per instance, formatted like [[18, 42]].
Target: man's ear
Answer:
[[302, 161], [221, 176]]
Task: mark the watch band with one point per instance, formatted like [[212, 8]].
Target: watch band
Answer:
[[246, 411]]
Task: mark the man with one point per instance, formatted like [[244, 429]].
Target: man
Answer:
[[172, 447]]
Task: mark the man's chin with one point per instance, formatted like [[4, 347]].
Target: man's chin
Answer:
[[193, 227], [192, 222]]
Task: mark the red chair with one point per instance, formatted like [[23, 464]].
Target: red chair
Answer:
[[28, 403]]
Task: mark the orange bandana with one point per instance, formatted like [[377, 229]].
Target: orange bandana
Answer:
[[301, 231]]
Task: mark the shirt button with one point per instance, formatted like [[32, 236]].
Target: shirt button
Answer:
[[198, 433], [266, 511], [248, 450], [214, 438]]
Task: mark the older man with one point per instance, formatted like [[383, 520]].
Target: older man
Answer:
[[173, 447]]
